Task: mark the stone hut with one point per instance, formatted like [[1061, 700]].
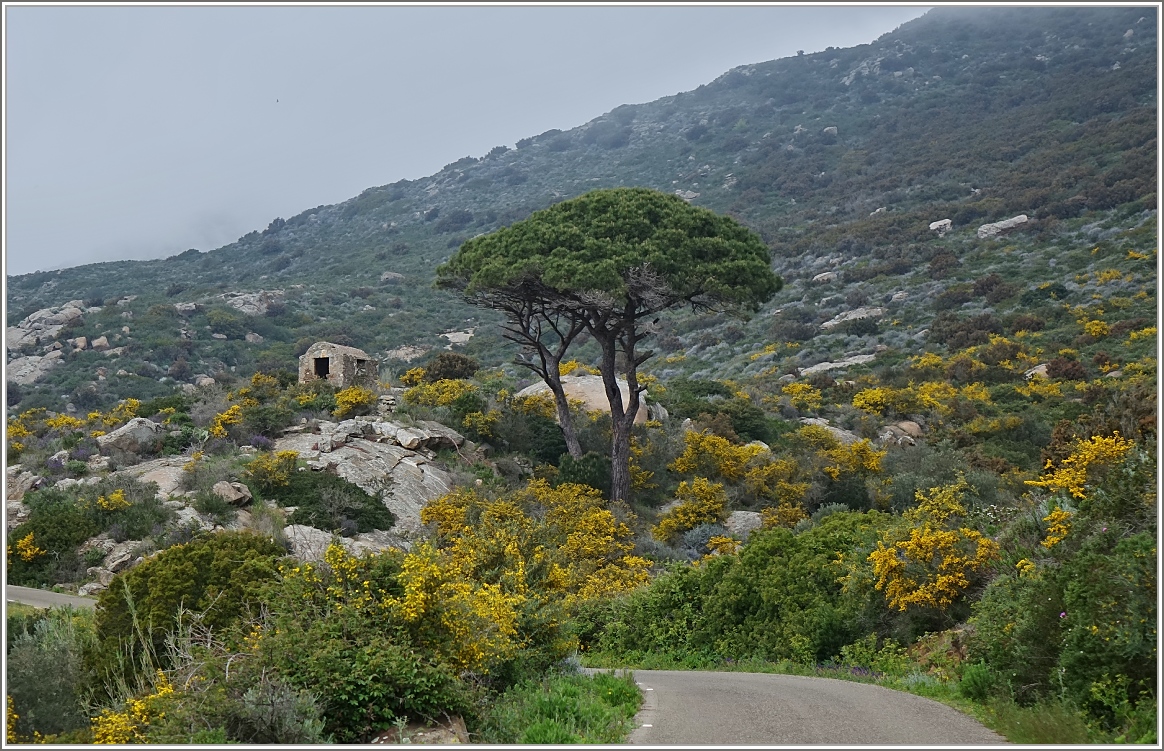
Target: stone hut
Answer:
[[339, 365]]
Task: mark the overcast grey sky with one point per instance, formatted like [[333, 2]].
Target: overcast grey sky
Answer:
[[139, 132]]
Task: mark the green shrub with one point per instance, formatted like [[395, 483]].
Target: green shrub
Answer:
[[592, 469], [327, 501], [564, 709], [978, 682], [450, 365], [216, 577], [44, 667]]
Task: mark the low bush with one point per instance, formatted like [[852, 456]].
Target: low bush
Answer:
[[564, 709]]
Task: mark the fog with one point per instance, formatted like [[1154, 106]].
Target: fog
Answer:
[[139, 132]]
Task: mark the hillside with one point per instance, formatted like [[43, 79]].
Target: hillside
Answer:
[[928, 462], [975, 115]]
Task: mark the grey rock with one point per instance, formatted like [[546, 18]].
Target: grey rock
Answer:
[[997, 228], [16, 513], [848, 362], [234, 493], [591, 391], [1039, 370], [104, 576], [20, 481], [853, 315], [401, 477], [253, 303], [135, 436], [30, 369], [741, 524], [253, 338], [101, 343], [92, 588], [166, 472]]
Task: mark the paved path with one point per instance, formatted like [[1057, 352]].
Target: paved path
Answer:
[[685, 708], [42, 598]]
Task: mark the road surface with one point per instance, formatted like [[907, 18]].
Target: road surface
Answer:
[[42, 598], [684, 708]]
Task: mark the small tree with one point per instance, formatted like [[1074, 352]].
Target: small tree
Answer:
[[608, 263]]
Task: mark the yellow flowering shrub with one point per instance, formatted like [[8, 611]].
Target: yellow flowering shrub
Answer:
[[776, 479], [10, 722], [710, 455], [1096, 329], [272, 470], [1058, 525], [232, 416], [132, 724], [722, 545], [1071, 474], [64, 423], [1039, 388], [192, 464], [541, 404], [927, 561], [540, 541], [876, 400], [700, 502], [573, 367], [481, 422], [413, 377], [353, 400], [926, 361], [27, 548], [439, 393], [115, 501], [1145, 333], [785, 515], [802, 395], [857, 457]]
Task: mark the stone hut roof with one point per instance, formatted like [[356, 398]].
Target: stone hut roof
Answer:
[[339, 349]]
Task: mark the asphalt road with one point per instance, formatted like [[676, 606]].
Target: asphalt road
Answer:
[[684, 708], [42, 598]]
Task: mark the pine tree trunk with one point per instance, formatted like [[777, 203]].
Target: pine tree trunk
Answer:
[[565, 419]]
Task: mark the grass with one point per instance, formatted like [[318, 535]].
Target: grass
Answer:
[[564, 709]]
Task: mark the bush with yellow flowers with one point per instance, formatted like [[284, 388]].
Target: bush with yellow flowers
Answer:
[[700, 502], [931, 559], [354, 400]]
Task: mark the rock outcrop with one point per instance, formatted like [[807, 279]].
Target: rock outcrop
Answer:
[[853, 315], [383, 458], [136, 436], [741, 524], [848, 362], [20, 481], [30, 369], [43, 326], [310, 544], [997, 228], [253, 303], [234, 493], [942, 226], [590, 390]]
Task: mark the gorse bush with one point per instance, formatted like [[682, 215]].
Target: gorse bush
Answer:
[[216, 577]]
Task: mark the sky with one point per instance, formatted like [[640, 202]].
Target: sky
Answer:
[[134, 132]]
